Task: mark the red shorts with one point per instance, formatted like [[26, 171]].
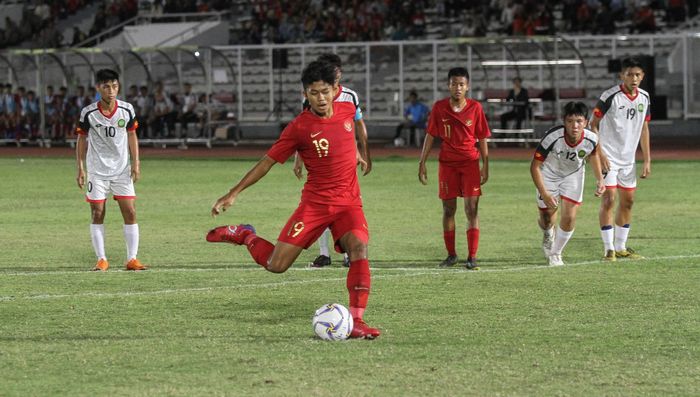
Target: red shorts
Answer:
[[309, 221], [462, 181]]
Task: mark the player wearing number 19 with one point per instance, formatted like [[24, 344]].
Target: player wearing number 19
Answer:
[[106, 142], [324, 137], [621, 118]]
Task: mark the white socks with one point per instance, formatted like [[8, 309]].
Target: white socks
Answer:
[[560, 240], [323, 242], [97, 235], [621, 233], [131, 236], [606, 233]]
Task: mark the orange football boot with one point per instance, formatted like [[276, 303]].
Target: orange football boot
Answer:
[[101, 266], [135, 265]]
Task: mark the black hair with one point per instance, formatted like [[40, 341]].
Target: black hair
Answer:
[[331, 58], [631, 63], [518, 79], [576, 109], [318, 71], [457, 72], [106, 75]]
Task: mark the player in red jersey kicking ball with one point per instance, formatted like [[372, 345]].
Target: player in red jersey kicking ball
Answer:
[[324, 137], [461, 125]]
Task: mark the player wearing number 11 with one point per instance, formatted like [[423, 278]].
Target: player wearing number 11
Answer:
[[324, 137], [106, 141]]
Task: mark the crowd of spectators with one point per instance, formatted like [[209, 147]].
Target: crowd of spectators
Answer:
[[297, 21], [276, 21], [161, 114]]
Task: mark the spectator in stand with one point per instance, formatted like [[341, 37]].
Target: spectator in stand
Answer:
[[604, 20], [415, 116], [162, 117], [78, 37], [187, 113], [676, 11], [81, 99], [520, 99], [644, 20], [143, 108], [11, 112], [30, 107]]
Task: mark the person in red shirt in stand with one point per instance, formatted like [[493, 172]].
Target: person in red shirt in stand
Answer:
[[461, 124], [324, 137]]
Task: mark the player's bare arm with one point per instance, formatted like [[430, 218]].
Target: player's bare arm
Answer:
[[361, 132], [594, 160], [80, 154], [135, 159], [422, 170], [484, 149], [595, 127], [254, 175], [646, 150], [536, 174], [298, 166]]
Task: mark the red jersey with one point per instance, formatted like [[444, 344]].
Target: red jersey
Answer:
[[327, 147], [459, 131]]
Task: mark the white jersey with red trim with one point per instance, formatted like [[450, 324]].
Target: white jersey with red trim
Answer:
[[560, 159], [622, 118], [108, 144]]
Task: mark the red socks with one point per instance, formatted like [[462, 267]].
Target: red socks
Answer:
[[450, 242], [358, 283], [259, 248], [473, 241]]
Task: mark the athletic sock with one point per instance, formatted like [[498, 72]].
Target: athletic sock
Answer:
[[560, 239], [606, 232], [97, 235], [473, 241], [449, 238], [131, 236], [548, 232], [259, 248], [323, 242], [358, 284], [621, 233]]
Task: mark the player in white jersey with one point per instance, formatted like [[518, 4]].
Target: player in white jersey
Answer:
[[343, 94], [621, 119], [108, 145], [558, 170]]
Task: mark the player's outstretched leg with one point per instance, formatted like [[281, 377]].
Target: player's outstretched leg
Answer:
[[230, 234], [244, 234]]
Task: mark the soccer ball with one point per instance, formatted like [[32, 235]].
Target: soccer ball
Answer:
[[332, 322]]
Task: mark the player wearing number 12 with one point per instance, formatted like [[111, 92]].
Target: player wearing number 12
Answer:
[[324, 137], [106, 142]]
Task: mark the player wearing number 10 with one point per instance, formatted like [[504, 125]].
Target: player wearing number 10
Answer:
[[106, 140], [324, 137]]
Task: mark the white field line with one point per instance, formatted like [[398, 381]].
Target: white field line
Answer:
[[405, 272]]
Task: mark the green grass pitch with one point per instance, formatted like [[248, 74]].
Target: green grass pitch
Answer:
[[207, 321]]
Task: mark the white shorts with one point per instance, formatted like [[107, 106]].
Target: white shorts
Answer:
[[569, 188], [121, 188], [621, 177]]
